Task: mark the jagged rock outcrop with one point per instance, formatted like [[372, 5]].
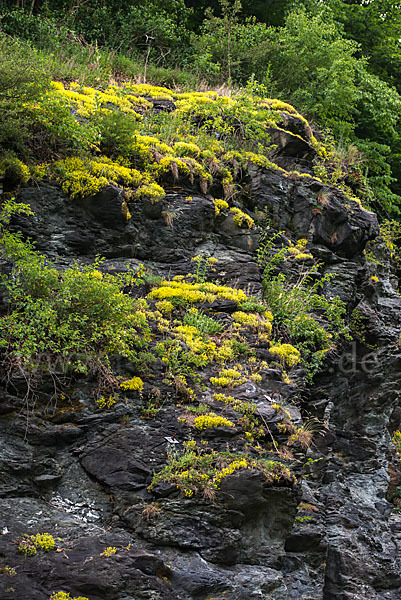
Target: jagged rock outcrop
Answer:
[[83, 475]]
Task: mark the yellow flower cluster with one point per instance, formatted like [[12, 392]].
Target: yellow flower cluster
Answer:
[[236, 465], [298, 250], [144, 147], [109, 551], [29, 545], [10, 571], [303, 256], [189, 444], [288, 354], [79, 177], [219, 205], [225, 353], [211, 420], [396, 439], [228, 378], [95, 274], [151, 91], [283, 106], [173, 165], [165, 306], [244, 158], [88, 100], [240, 218], [196, 292], [65, 596], [255, 320], [195, 342], [105, 403], [151, 190], [186, 149], [135, 383], [245, 408], [256, 378], [44, 541]]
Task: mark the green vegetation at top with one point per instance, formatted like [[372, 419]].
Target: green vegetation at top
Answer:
[[85, 138], [338, 62]]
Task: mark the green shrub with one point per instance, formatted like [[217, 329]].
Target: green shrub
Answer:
[[23, 79], [116, 130], [228, 49], [65, 322], [315, 68], [205, 324], [252, 304], [300, 311], [14, 172], [58, 129]]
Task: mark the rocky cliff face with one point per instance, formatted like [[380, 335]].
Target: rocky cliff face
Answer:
[[82, 474]]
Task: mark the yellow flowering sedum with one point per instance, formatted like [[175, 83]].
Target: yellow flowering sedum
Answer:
[[211, 420], [186, 149], [288, 354], [85, 177], [240, 218], [254, 320], [303, 256], [44, 541], [65, 596], [228, 378], [109, 551], [165, 306], [133, 384], [219, 205], [104, 403], [88, 100], [29, 545], [236, 465], [196, 292]]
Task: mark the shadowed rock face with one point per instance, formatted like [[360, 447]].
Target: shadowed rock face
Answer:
[[83, 475]]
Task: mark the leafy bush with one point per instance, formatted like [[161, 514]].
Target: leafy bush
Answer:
[[205, 324], [300, 311], [65, 322], [116, 131], [55, 129], [230, 50], [139, 26], [23, 79], [14, 172], [314, 67], [374, 182]]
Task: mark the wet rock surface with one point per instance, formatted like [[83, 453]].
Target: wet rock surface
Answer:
[[83, 475]]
